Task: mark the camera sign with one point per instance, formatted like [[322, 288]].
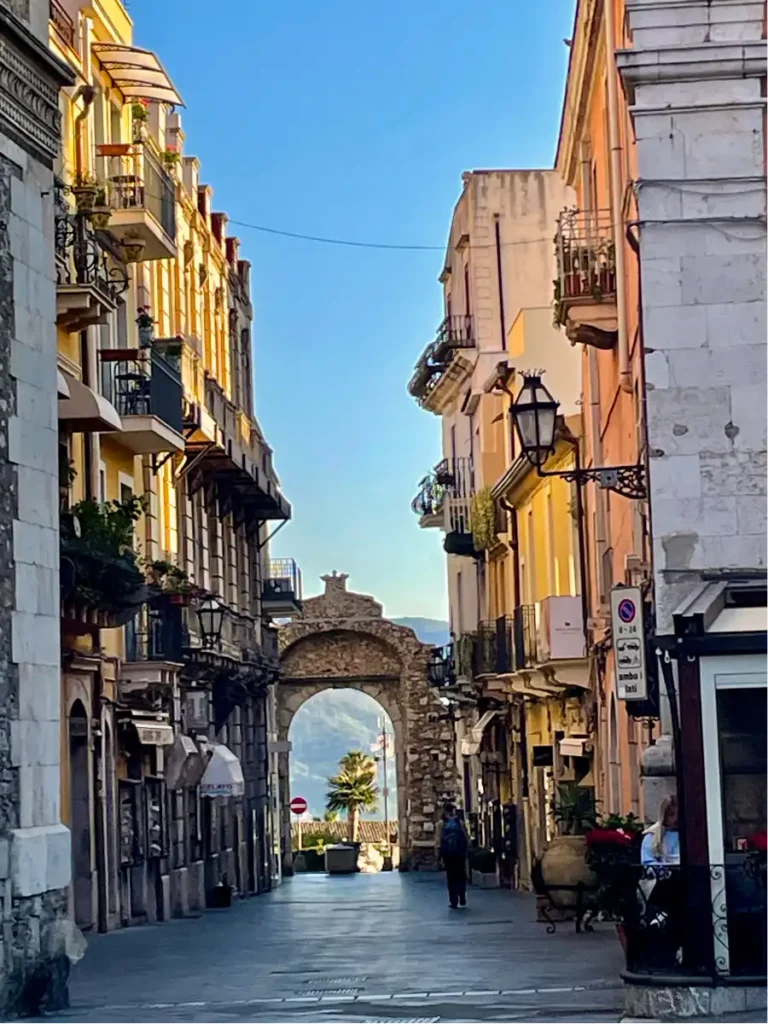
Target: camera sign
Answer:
[[629, 643]]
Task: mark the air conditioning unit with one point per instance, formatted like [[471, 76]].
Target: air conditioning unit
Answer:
[[561, 629]]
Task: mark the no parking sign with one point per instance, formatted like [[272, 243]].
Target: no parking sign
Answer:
[[629, 643]]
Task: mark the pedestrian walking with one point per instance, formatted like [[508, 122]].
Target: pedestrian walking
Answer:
[[453, 845]]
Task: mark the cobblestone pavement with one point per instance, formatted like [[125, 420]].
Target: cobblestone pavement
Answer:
[[353, 948]]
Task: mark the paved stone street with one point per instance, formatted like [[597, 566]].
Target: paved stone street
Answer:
[[353, 948]]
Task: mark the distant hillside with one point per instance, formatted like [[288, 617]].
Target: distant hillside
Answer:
[[429, 631], [336, 721]]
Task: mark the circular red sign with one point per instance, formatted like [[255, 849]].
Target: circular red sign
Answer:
[[298, 805]]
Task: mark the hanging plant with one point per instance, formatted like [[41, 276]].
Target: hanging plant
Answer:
[[483, 519], [139, 111]]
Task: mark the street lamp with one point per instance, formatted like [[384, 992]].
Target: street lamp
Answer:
[[534, 413], [211, 617]]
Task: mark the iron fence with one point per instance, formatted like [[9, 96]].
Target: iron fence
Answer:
[[84, 256], [283, 579], [62, 22], [524, 637], [586, 258], [146, 385]]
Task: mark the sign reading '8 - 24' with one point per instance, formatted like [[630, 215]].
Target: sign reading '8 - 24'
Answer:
[[629, 643]]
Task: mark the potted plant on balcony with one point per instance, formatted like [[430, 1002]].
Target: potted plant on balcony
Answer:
[[105, 586], [146, 326], [85, 190], [171, 156], [139, 118]]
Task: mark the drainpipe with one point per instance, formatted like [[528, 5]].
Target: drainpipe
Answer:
[[500, 279], [614, 141]]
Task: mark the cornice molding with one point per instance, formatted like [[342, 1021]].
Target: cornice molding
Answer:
[[30, 79]]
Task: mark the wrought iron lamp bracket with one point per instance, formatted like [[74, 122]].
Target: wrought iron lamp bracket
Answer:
[[629, 481]]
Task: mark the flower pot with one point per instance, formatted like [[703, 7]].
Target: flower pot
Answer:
[[133, 249], [563, 864], [114, 149], [85, 197], [99, 217]]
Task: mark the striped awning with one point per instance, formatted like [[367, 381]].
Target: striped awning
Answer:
[[138, 74]]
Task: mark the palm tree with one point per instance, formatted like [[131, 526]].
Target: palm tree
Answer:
[[353, 789]]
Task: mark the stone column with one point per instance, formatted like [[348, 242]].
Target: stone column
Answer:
[[34, 845]]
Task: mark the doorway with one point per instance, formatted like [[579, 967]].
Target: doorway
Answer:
[[80, 816]]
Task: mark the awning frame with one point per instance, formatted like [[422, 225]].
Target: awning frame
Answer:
[[137, 73]]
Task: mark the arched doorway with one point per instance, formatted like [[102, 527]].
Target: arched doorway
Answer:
[[80, 815], [342, 640], [330, 724]]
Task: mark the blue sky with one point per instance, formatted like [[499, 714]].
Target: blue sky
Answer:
[[355, 120]]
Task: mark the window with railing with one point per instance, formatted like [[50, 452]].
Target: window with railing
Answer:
[[135, 179], [63, 23], [586, 258], [83, 256], [142, 382], [524, 636]]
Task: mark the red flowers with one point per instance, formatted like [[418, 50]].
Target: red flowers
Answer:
[[606, 836]]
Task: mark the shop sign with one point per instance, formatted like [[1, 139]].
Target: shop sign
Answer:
[[628, 630]]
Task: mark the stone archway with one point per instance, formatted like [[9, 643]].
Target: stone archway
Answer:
[[342, 640]]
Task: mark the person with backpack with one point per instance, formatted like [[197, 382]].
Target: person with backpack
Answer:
[[453, 845]]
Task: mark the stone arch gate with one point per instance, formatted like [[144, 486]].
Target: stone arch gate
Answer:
[[342, 640]]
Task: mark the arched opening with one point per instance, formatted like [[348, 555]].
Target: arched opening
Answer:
[[80, 815], [327, 725]]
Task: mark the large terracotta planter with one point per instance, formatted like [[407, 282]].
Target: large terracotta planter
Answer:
[[563, 864]]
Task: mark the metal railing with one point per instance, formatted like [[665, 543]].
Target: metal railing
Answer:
[[586, 258], [146, 385], [156, 635], [135, 180], [450, 479], [84, 256], [493, 647], [455, 332], [441, 669], [62, 22], [283, 579], [524, 649]]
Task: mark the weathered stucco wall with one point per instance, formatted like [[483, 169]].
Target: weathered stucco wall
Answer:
[[342, 640]]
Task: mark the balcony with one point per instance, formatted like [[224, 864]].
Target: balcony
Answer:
[[441, 670], [441, 362], [585, 289], [493, 652], [524, 653], [226, 449], [63, 24], [145, 388], [154, 645], [142, 198], [91, 275], [281, 596]]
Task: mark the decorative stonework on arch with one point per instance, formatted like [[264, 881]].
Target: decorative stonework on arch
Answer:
[[342, 640]]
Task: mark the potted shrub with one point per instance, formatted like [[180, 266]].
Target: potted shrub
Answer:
[[171, 156], [563, 863], [483, 867], [85, 190], [139, 118]]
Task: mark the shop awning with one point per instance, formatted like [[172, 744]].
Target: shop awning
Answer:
[[184, 764], [137, 73], [573, 746], [62, 387], [223, 775], [87, 411], [152, 732], [471, 744]]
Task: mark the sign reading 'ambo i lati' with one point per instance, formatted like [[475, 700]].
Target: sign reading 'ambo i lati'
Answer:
[[629, 643]]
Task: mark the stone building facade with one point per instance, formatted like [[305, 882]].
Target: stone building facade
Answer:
[[34, 845], [342, 640]]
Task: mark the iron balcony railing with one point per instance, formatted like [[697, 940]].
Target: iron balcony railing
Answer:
[[455, 332], [586, 259], [84, 256], [283, 580], [450, 479], [494, 647], [156, 634], [144, 385], [524, 650], [62, 22], [441, 670], [136, 181]]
